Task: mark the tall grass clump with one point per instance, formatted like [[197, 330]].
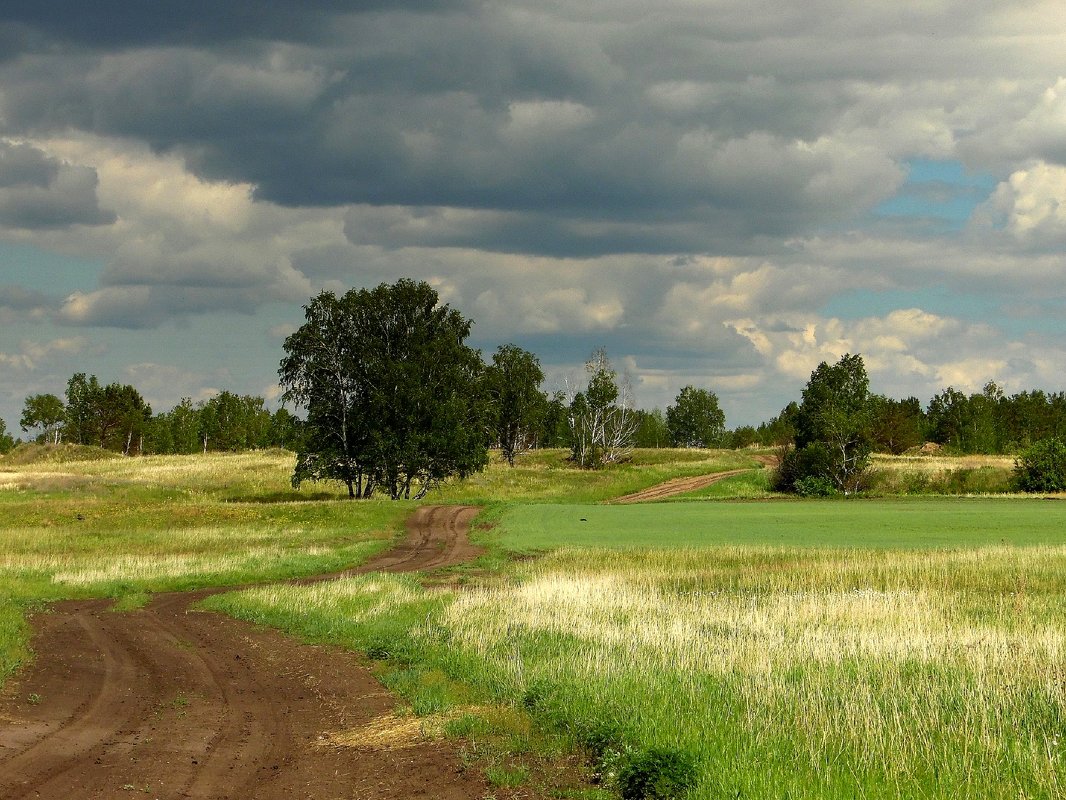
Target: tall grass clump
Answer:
[[13, 637], [940, 475], [753, 672]]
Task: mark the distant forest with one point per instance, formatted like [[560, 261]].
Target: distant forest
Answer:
[[116, 417]]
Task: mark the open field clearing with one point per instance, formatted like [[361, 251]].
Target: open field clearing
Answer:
[[806, 673], [122, 527], [79, 522], [906, 648], [897, 523], [247, 712]]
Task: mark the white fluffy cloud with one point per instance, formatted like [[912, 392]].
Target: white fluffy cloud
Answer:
[[1033, 203]]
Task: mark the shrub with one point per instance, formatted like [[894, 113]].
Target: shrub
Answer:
[[657, 774], [812, 461], [1042, 467], [813, 486]]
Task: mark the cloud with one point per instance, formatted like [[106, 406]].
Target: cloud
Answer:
[[20, 304], [38, 191], [163, 385], [701, 189], [1032, 204], [32, 355]]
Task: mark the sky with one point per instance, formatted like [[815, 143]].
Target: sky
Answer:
[[720, 193]]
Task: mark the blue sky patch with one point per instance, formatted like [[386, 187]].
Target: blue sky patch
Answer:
[[942, 193]]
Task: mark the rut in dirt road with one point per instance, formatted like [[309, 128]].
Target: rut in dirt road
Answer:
[[171, 704]]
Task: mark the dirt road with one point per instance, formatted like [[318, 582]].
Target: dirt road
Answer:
[[695, 483], [166, 703], [677, 486]]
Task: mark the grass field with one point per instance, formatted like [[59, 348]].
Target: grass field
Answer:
[[898, 523], [123, 527], [80, 522], [910, 648], [834, 663], [807, 673]]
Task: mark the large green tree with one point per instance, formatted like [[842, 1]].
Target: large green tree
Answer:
[[122, 418], [390, 388], [695, 420], [516, 404], [83, 399], [113, 416]]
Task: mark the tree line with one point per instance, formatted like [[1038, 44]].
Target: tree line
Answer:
[[397, 402], [394, 400], [116, 417], [988, 422], [829, 436]]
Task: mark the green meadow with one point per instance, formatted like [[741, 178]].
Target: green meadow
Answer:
[[889, 524], [752, 648], [125, 527]]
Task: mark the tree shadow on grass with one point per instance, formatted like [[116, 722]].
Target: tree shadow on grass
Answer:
[[286, 497]]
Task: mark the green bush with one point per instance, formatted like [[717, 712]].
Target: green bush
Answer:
[[1042, 467], [812, 461], [813, 486], [657, 774]]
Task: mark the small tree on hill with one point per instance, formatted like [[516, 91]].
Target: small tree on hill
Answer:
[[695, 420], [45, 412], [516, 405]]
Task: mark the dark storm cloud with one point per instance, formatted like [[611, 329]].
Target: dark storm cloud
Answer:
[[40, 192], [608, 134], [119, 23], [21, 164]]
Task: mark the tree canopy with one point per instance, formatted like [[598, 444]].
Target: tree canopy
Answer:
[[390, 388], [516, 405], [695, 420], [832, 430], [45, 412]]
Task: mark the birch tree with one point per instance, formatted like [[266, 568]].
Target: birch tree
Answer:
[[601, 418]]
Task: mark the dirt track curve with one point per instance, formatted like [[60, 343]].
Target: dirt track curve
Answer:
[[677, 486], [165, 703], [684, 485]]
